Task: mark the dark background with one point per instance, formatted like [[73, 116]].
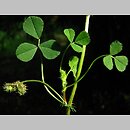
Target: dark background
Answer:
[[100, 92]]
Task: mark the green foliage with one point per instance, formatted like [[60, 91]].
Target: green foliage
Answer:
[[115, 47], [73, 63], [70, 33], [82, 39], [107, 60], [2, 35], [33, 26], [120, 61], [10, 41], [26, 51], [63, 77], [76, 47], [49, 49]]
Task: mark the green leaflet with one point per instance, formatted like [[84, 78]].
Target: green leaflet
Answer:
[[49, 49], [83, 38], [76, 47], [115, 47], [33, 26], [70, 34], [73, 63], [26, 51], [107, 61], [121, 62]]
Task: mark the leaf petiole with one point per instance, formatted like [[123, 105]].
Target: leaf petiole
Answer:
[[47, 86]]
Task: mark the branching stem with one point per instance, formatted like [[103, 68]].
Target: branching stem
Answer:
[[79, 70], [47, 86], [86, 71]]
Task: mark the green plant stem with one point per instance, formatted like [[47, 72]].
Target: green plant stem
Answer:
[[64, 55], [42, 75], [47, 85], [43, 80], [42, 72], [64, 92], [79, 70], [86, 71]]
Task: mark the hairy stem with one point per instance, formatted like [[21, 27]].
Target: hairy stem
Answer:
[[79, 70]]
